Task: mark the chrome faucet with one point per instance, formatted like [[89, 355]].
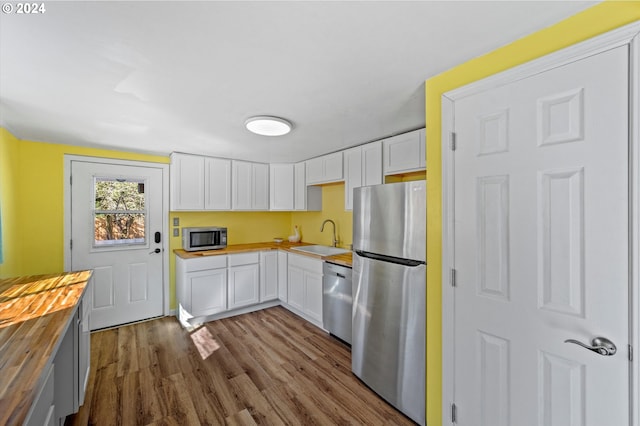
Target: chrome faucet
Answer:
[[335, 240]]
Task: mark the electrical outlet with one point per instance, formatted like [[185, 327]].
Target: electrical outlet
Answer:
[[176, 232], [176, 222]]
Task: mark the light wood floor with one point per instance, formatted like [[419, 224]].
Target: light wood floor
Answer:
[[268, 367]]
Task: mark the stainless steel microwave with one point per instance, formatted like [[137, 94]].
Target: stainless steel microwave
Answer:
[[206, 238]]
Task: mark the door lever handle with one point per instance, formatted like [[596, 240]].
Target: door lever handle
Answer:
[[600, 345], [155, 251]]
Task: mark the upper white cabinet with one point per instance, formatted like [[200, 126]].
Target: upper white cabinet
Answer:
[[187, 182], [200, 183], [362, 167], [217, 184], [325, 169], [305, 197], [250, 186], [404, 153], [281, 186]]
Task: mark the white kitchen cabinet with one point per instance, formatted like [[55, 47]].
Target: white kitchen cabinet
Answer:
[[217, 184], [305, 286], [201, 286], [372, 164], [187, 182], [200, 183], [404, 153], [208, 291], [72, 361], [295, 291], [244, 279], [42, 411], [249, 186], [281, 186], [325, 169], [282, 275], [268, 275], [306, 198], [260, 186], [362, 167], [352, 174]]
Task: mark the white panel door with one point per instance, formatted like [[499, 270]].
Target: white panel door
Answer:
[[541, 248], [116, 211]]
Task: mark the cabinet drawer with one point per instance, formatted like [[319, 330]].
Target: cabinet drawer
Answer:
[[244, 258], [306, 263], [205, 262]]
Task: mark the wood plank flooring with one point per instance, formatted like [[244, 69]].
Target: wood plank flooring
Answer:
[[267, 367]]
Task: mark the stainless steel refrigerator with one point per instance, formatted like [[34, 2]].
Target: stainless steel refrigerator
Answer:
[[389, 293]]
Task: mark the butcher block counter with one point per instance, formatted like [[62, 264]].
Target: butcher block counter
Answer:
[[341, 259], [35, 313]]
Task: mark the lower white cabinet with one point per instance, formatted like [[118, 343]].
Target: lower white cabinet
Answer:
[[244, 279], [201, 286], [268, 275], [208, 291], [42, 410], [305, 286], [71, 364], [282, 275], [295, 277], [219, 284]]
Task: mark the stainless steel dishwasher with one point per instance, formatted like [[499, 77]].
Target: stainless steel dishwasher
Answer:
[[337, 300]]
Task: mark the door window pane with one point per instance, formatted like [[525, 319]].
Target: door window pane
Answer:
[[119, 215]]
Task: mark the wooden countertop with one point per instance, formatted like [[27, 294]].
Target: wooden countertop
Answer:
[[341, 259], [35, 311]]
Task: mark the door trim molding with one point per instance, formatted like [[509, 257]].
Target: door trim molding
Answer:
[[628, 35], [68, 158]]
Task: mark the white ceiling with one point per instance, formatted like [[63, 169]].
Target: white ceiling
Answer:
[[158, 77]]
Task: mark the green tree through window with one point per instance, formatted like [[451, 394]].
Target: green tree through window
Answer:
[[119, 212]]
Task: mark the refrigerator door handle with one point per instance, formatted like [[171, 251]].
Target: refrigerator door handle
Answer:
[[390, 259]]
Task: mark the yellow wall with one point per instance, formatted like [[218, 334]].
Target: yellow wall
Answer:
[[242, 228], [594, 21], [9, 176], [36, 209], [309, 223]]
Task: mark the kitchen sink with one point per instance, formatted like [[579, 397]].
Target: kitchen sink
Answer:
[[320, 250]]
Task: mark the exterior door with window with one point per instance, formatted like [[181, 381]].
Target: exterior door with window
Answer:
[[116, 230]]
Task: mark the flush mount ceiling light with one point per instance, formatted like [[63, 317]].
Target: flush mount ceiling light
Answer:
[[268, 126]]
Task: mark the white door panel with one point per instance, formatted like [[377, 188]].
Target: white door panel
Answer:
[[128, 272], [541, 247]]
